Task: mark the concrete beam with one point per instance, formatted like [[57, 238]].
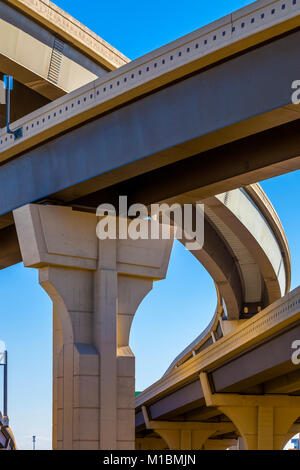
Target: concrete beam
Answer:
[[200, 50], [288, 383], [188, 130]]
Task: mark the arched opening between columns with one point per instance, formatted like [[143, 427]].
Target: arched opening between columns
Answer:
[[264, 426], [171, 315], [293, 434]]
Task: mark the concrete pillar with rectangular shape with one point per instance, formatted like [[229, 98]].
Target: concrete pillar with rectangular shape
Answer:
[[96, 287]]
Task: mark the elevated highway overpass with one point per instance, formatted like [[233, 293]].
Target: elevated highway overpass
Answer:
[[244, 361], [191, 116], [219, 390], [49, 53], [191, 122]]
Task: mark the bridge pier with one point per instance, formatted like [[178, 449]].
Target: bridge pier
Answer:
[[262, 420], [96, 287]]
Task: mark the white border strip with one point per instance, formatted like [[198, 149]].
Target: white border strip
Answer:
[[203, 42]]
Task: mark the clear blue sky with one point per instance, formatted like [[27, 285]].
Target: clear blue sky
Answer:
[[179, 306]]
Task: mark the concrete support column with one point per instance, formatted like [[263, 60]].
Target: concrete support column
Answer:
[[96, 287], [76, 360], [263, 421]]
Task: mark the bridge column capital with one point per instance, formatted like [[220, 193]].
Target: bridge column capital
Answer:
[[262, 420], [96, 287], [186, 435]]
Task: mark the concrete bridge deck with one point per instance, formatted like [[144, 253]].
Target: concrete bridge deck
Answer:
[[168, 113], [48, 53]]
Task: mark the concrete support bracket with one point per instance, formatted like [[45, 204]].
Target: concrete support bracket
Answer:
[[263, 421], [185, 435]]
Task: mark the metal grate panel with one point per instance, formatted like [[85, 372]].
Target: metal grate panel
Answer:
[[55, 61]]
